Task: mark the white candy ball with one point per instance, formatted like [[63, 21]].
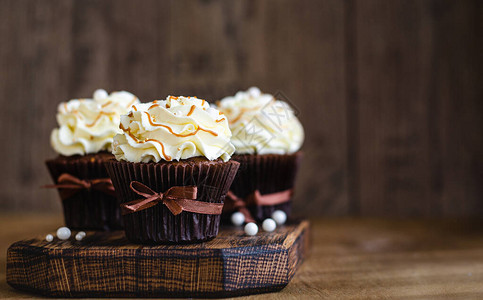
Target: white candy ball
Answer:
[[80, 235], [100, 94], [254, 91], [251, 229], [63, 233], [49, 238], [237, 218], [269, 225], [279, 216]]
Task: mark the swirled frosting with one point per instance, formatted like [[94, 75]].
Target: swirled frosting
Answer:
[[88, 125], [173, 129], [261, 124]]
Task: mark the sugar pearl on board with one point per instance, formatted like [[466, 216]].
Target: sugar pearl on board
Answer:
[[49, 238], [100, 94], [237, 218], [269, 225], [63, 233], [279, 216], [80, 235], [251, 229]]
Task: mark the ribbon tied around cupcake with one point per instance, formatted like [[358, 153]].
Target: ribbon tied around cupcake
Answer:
[[70, 185], [177, 199], [255, 199]]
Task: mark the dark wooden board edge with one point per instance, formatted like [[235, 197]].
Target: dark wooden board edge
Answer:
[[296, 251]]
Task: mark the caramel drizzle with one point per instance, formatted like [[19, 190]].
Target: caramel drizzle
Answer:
[[203, 102], [77, 113], [177, 134], [242, 111], [219, 120], [152, 106], [191, 110], [232, 121], [135, 109], [106, 104], [128, 131], [99, 116]]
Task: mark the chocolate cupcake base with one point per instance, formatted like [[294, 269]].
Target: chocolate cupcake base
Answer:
[[86, 209], [267, 174], [157, 224]]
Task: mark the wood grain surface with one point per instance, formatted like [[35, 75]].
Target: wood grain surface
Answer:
[[349, 258], [106, 264], [389, 92]]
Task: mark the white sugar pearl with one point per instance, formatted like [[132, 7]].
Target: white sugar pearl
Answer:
[[269, 225], [80, 235], [251, 229], [63, 233], [279, 216], [254, 91], [49, 238], [237, 218], [100, 94]]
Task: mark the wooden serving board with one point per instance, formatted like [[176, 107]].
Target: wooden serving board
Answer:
[[106, 265]]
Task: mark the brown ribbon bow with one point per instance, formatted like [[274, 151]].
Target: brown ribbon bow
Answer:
[[70, 185], [236, 203], [177, 199]]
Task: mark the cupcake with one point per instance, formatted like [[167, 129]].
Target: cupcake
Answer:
[[267, 137], [83, 142], [172, 170]]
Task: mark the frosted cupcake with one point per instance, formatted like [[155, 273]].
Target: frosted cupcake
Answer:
[[267, 136], [83, 142], [172, 170]]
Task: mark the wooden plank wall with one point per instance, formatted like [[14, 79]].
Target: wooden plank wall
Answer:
[[390, 92]]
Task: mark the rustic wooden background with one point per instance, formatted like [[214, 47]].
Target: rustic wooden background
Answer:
[[390, 92]]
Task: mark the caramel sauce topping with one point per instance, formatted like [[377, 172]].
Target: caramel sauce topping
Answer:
[[152, 106], [177, 134], [99, 116], [242, 111], [135, 109], [167, 157], [191, 110], [128, 131], [106, 104]]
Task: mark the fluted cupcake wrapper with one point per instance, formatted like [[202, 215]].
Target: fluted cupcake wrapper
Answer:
[[86, 209], [268, 173], [157, 224]]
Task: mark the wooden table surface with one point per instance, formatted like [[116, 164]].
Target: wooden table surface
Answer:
[[349, 258]]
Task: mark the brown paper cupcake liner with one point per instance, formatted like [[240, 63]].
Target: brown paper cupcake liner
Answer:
[[157, 224], [269, 173], [86, 209]]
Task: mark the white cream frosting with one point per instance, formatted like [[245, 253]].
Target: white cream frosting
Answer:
[[88, 125], [261, 124], [173, 129]]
